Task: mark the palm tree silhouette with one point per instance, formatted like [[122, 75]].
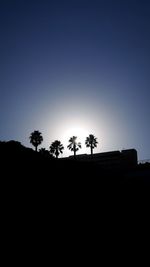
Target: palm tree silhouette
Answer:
[[91, 141], [74, 145], [36, 139], [56, 148]]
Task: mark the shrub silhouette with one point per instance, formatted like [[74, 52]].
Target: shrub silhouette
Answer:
[[45, 153]]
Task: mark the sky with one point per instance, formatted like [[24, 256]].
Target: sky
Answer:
[[76, 67]]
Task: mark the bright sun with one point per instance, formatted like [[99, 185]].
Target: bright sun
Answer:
[[77, 131]]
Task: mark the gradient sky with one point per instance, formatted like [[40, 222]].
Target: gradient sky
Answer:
[[76, 67]]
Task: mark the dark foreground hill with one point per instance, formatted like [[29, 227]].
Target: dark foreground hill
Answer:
[[27, 166], [47, 202]]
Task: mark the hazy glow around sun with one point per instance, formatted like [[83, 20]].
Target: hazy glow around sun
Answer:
[[77, 131], [81, 121], [81, 134]]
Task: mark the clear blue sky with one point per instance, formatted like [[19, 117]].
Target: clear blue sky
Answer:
[[76, 64]]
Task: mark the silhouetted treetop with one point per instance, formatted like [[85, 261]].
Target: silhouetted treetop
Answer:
[[74, 145], [91, 141], [56, 148], [36, 139]]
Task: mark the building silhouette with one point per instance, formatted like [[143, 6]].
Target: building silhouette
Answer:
[[119, 159]]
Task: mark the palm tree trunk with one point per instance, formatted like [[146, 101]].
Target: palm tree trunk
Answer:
[[36, 148], [91, 150], [57, 154], [74, 150]]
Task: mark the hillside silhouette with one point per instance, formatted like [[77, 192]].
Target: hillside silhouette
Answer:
[[21, 160], [41, 194], [39, 183]]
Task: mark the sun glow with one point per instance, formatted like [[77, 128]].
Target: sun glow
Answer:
[[77, 131]]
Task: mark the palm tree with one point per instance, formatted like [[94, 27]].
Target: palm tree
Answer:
[[36, 139], [56, 148], [74, 145], [91, 141]]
